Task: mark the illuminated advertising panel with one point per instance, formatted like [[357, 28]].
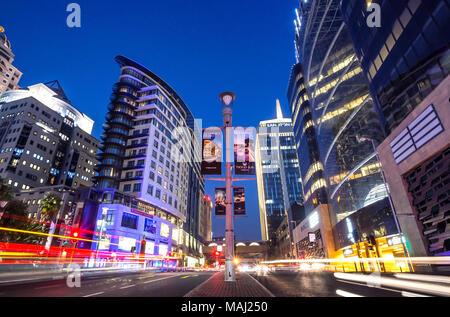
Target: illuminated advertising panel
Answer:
[[165, 230], [150, 226], [244, 151], [150, 247], [163, 249], [125, 244], [221, 201], [239, 200], [212, 151]]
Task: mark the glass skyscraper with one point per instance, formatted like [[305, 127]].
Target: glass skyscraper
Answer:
[[407, 57], [332, 111], [278, 174]]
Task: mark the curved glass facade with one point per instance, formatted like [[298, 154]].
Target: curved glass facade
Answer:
[[311, 167], [405, 59], [338, 107]]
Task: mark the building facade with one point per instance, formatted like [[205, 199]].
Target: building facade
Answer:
[[44, 140], [278, 175], [407, 57], [333, 112], [9, 75], [151, 148], [415, 157]]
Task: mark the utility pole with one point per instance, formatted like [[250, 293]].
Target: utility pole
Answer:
[[227, 99]]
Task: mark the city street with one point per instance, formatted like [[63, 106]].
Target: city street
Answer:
[[114, 285]]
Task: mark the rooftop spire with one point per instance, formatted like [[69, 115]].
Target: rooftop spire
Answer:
[[279, 112]]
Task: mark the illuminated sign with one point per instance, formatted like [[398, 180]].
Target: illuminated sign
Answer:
[[239, 200], [163, 249], [348, 251], [165, 230], [125, 244], [150, 247], [312, 237], [212, 151], [313, 220], [221, 201], [394, 241]]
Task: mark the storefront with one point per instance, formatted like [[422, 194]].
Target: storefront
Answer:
[[368, 234]]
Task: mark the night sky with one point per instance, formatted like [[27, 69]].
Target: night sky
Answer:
[[201, 48]]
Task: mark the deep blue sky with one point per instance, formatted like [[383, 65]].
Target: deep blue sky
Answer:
[[201, 48]]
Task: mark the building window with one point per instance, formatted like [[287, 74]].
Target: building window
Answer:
[[150, 190], [137, 187], [127, 188], [129, 221]]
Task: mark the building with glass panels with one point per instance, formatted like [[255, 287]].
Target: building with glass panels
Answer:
[[407, 57], [151, 148], [332, 112], [278, 174]]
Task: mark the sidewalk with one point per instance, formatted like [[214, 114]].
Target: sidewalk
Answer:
[[245, 286]]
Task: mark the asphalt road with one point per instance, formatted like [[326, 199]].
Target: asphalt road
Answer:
[[323, 284], [114, 285]]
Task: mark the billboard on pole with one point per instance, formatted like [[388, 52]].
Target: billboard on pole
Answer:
[[239, 200], [221, 201], [244, 151], [212, 151]]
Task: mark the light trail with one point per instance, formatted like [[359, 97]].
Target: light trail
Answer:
[[420, 287], [346, 294]]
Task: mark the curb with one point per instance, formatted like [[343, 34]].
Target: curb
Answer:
[[189, 294], [262, 286]]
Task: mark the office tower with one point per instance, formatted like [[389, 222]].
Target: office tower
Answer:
[[332, 112], [407, 57], [407, 63], [44, 139], [151, 148], [9, 75], [277, 171]]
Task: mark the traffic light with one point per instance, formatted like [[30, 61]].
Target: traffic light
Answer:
[[75, 234], [217, 253]]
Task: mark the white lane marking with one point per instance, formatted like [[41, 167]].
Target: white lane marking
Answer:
[[160, 279], [346, 294], [127, 286], [95, 294], [409, 294]]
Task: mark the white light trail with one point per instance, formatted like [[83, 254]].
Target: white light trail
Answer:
[[346, 294]]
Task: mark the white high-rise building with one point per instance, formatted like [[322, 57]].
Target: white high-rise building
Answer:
[[9, 75]]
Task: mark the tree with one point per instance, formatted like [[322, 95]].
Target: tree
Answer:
[[50, 206], [15, 217], [6, 194]]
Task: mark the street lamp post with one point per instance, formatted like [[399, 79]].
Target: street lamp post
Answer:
[[405, 251], [227, 99]]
